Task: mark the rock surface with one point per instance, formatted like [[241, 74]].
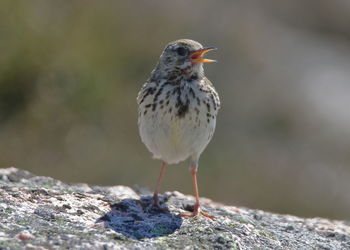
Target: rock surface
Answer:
[[43, 213]]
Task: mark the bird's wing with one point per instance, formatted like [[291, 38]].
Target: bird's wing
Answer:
[[213, 94], [147, 89]]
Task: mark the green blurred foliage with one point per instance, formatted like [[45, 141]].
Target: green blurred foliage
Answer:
[[70, 72]]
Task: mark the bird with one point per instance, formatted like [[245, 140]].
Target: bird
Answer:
[[177, 110]]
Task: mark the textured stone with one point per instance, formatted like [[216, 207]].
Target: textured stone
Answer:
[[43, 213]]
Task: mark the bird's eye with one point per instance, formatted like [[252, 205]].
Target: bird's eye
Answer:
[[181, 51]]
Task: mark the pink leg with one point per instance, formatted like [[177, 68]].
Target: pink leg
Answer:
[[155, 195], [195, 187], [196, 209]]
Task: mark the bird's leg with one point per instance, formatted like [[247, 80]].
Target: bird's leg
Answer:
[[196, 209], [155, 194]]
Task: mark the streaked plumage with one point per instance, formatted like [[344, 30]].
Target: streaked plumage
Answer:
[[178, 105]]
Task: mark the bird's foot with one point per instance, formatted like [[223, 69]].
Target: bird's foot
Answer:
[[196, 212]]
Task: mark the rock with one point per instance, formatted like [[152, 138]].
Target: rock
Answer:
[[43, 213]]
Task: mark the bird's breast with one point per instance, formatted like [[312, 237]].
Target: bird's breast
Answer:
[[177, 119]]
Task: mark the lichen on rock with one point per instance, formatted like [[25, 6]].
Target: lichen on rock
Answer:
[[43, 213]]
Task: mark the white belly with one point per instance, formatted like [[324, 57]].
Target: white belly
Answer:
[[174, 139]]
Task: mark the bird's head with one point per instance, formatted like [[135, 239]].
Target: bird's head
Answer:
[[184, 55]]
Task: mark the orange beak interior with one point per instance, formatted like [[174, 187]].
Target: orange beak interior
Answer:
[[197, 56]]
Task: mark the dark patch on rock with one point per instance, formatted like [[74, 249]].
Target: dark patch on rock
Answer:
[[188, 207], [105, 217], [139, 219], [257, 216], [80, 195], [91, 208], [66, 206], [120, 206], [80, 212]]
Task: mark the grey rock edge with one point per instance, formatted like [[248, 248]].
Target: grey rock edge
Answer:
[[42, 213]]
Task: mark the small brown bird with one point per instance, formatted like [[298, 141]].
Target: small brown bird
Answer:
[[178, 106]]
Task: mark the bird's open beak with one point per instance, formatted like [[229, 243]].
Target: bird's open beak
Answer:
[[197, 56]]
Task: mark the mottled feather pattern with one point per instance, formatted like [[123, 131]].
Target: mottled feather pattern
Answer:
[[178, 106], [165, 108]]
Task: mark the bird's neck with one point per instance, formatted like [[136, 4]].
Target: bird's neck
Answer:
[[189, 73]]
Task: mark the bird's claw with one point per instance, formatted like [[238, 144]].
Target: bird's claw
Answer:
[[196, 213]]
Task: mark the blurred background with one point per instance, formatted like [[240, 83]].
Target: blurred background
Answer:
[[70, 72]]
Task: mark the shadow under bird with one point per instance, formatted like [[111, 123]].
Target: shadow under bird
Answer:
[[178, 106]]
